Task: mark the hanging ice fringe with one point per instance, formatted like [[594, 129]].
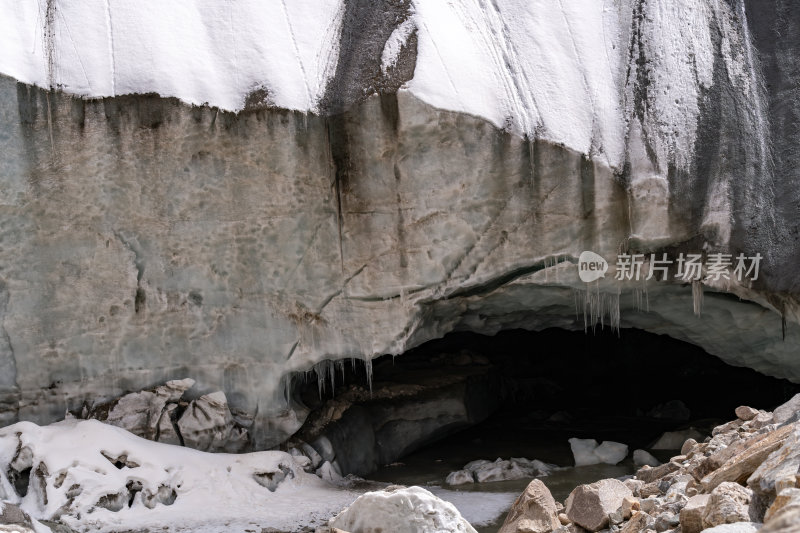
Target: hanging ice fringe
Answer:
[[598, 307]]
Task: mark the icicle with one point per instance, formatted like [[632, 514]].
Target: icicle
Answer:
[[697, 297], [368, 368], [598, 307]]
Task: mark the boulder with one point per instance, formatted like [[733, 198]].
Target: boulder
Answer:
[[12, 515], [534, 511], [589, 505], [207, 425], [640, 521], [754, 451], [141, 412], [649, 474], [780, 470], [642, 457], [692, 514], [787, 497], [588, 452], [401, 510], [629, 505], [728, 503], [688, 446], [784, 514], [745, 413], [786, 411]]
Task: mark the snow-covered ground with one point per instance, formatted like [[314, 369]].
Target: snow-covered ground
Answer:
[[98, 477]]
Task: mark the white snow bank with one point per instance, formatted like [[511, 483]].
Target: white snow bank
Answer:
[[556, 70], [401, 510], [588, 452], [102, 478]]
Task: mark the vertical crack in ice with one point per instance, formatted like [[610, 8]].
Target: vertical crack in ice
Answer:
[[310, 98], [113, 66]]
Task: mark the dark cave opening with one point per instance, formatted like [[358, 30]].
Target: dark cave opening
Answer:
[[523, 394]]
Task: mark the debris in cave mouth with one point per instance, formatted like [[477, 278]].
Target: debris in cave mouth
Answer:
[[160, 414]]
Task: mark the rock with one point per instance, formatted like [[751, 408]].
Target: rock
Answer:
[[141, 413], [738, 527], [588, 452], [401, 510], [649, 474], [688, 446], [484, 471], [649, 505], [784, 514], [746, 413], [640, 521], [570, 528], [629, 505], [564, 519], [650, 489], [673, 440], [459, 477], [642, 457], [635, 485], [534, 511], [787, 410], [11, 514], [727, 503], [780, 470], [207, 425], [759, 421], [666, 521], [786, 497], [671, 410], [589, 505], [754, 451], [691, 516], [329, 472]]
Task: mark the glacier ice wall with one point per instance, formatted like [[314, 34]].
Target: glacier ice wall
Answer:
[[369, 176]]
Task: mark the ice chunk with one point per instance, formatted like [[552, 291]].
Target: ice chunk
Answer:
[[642, 457], [588, 452]]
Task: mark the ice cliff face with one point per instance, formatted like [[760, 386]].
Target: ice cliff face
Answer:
[[368, 176]]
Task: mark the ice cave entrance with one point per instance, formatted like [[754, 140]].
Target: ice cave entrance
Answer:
[[522, 394]]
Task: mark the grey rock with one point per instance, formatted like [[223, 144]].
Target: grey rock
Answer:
[[745, 413], [786, 410], [780, 470], [691, 516], [207, 425], [534, 511], [727, 503], [589, 505]]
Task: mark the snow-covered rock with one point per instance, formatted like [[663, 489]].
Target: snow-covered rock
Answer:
[[484, 471], [401, 510], [589, 452], [92, 475]]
